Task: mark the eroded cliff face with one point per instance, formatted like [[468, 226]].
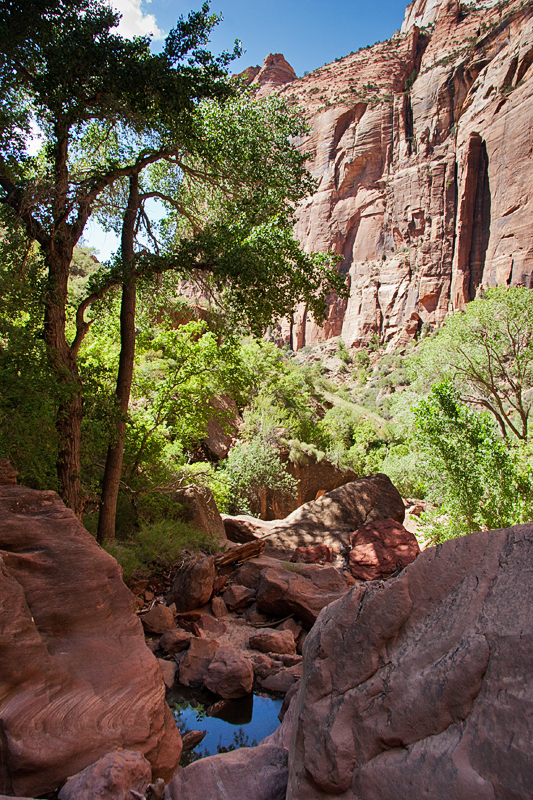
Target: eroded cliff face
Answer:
[[422, 149]]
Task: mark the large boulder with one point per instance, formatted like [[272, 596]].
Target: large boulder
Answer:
[[250, 773], [193, 585], [313, 478], [329, 520], [244, 528], [112, 777], [281, 591], [420, 686], [194, 664], [230, 674], [200, 510], [273, 641], [76, 678], [333, 517], [379, 548], [159, 619]]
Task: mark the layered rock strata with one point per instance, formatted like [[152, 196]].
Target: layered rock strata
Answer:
[[421, 147], [76, 678]]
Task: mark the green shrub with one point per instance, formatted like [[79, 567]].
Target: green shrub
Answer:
[[159, 545], [343, 352], [482, 483], [251, 468]]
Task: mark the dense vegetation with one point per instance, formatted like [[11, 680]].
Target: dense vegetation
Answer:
[[411, 415], [120, 127], [110, 373]]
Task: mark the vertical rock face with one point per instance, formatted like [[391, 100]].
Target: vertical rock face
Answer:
[[76, 678], [421, 146], [420, 686]]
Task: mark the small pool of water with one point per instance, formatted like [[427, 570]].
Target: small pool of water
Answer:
[[229, 723]]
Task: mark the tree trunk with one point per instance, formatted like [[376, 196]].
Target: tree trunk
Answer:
[[69, 455], [64, 362], [115, 453]]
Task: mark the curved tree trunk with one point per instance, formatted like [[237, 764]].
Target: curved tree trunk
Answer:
[[115, 453]]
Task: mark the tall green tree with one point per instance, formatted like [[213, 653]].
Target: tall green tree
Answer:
[[487, 352], [229, 189], [481, 482], [63, 68]]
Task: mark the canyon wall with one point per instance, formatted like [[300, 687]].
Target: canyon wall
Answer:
[[422, 151]]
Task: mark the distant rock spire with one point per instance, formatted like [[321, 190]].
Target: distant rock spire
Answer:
[[276, 71]]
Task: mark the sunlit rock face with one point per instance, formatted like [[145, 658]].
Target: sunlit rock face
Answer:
[[420, 685], [421, 148]]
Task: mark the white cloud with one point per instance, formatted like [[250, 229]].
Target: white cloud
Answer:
[[134, 22]]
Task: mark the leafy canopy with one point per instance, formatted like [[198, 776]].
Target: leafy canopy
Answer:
[[487, 352], [483, 485]]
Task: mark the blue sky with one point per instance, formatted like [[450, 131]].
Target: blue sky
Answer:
[[309, 33]]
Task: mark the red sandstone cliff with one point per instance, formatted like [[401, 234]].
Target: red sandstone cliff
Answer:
[[422, 148]]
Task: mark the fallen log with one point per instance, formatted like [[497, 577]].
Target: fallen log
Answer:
[[238, 555]]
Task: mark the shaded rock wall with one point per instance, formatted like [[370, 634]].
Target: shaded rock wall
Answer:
[[76, 678], [421, 146]]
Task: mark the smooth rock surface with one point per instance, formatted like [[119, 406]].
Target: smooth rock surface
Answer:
[[420, 686], [250, 773], [230, 674], [193, 665], [379, 548], [76, 678], [110, 778], [273, 641]]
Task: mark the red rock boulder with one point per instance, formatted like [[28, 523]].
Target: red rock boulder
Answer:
[[421, 686], [194, 664], [250, 773], [282, 591], [379, 548], [328, 521], [238, 597], [175, 641], [76, 678], [193, 585], [230, 674], [159, 619], [273, 641], [112, 777]]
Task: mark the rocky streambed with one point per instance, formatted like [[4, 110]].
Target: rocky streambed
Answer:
[[409, 681]]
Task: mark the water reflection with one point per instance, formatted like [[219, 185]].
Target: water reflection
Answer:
[[230, 724]]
